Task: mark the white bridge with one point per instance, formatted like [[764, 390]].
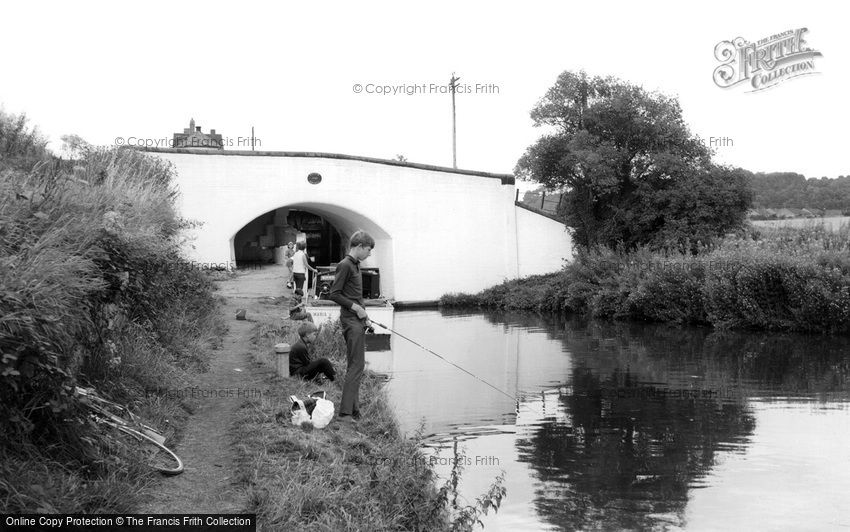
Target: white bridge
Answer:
[[437, 230]]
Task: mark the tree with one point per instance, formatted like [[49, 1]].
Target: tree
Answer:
[[790, 189], [75, 146], [632, 171]]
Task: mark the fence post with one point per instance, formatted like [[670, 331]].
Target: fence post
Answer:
[[542, 199], [282, 362]]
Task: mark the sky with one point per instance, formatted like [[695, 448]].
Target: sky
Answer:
[[140, 71]]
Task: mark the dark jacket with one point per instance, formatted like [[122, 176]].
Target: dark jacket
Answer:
[[347, 287], [298, 356]]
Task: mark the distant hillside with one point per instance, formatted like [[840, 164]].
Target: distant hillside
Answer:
[[775, 190]]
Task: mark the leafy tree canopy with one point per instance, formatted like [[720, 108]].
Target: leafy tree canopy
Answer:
[[632, 172]]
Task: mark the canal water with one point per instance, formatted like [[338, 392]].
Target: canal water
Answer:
[[623, 426]]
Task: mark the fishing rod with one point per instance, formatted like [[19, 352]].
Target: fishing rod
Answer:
[[516, 401]]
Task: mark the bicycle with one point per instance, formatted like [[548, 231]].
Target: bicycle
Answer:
[[151, 442]]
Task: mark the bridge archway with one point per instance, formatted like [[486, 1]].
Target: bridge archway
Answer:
[[342, 220], [438, 230]]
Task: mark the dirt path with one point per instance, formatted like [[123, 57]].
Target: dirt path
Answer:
[[206, 485]]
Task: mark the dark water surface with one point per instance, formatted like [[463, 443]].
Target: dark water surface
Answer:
[[630, 426]]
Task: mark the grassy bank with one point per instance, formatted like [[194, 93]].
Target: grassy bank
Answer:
[[366, 477], [92, 292], [782, 279]]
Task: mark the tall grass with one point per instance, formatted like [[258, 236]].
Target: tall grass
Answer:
[[92, 291], [783, 279], [338, 478]]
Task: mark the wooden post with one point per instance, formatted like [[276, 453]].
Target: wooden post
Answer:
[[453, 84], [542, 199]]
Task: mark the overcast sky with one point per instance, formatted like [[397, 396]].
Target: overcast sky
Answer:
[[108, 69]]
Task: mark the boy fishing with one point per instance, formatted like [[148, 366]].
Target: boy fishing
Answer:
[[347, 292]]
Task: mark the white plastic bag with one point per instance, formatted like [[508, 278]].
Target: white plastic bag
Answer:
[[323, 412]]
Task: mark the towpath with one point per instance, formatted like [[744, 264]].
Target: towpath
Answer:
[[207, 484]]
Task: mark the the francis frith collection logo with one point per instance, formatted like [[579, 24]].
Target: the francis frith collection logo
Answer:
[[765, 63]]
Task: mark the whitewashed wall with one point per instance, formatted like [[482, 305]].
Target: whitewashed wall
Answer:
[[436, 231], [542, 243]]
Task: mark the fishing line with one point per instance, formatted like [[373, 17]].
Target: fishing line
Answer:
[[516, 401]]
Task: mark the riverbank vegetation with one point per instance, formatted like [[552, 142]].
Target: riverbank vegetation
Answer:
[[660, 229], [362, 477], [92, 293], [782, 279]]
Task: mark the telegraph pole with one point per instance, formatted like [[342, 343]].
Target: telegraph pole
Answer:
[[453, 85]]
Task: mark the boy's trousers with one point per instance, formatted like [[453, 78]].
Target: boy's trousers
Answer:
[[355, 341], [314, 368]]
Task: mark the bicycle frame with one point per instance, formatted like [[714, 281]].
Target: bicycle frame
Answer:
[[134, 427]]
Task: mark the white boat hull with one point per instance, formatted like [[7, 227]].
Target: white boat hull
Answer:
[[323, 314]]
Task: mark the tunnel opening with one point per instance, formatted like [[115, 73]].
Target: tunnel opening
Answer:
[[264, 239]]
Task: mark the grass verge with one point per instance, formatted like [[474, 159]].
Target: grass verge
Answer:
[[344, 477]]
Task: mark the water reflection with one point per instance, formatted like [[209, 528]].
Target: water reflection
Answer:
[[626, 426], [649, 409], [628, 451]]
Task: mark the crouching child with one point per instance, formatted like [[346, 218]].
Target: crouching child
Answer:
[[300, 362]]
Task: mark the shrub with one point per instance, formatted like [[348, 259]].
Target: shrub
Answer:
[[671, 293], [460, 300], [20, 145], [785, 279], [92, 290], [765, 289], [79, 257]]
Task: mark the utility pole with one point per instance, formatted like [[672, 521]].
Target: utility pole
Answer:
[[453, 85], [252, 138]]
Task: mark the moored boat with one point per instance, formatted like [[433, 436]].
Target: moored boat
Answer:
[[326, 311]]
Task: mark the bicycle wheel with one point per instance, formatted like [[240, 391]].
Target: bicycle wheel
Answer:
[[157, 455]]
